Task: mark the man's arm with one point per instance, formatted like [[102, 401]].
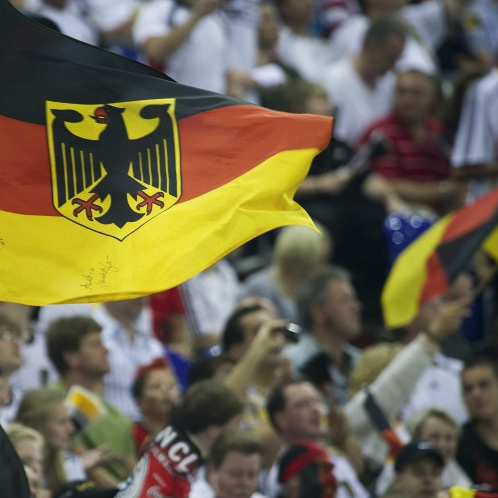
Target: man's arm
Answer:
[[159, 48]]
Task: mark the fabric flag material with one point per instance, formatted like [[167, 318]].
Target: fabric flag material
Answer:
[[381, 423], [458, 492], [425, 269], [117, 182]]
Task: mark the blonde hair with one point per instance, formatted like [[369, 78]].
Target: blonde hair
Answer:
[[35, 411], [371, 363], [299, 250], [420, 418], [18, 432]]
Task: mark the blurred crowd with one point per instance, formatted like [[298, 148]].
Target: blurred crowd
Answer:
[[273, 369]]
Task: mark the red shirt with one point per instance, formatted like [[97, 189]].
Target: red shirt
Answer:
[[428, 161], [162, 305]]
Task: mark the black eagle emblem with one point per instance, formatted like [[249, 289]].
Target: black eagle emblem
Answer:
[[130, 177]]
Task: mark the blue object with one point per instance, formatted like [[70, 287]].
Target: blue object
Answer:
[[401, 229]]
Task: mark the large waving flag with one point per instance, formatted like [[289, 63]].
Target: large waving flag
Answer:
[[117, 182], [425, 269]]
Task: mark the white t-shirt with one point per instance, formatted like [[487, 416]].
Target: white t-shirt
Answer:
[[201, 61], [438, 387], [348, 38], [308, 55], [210, 297], [357, 105], [108, 14], [476, 141], [71, 23]]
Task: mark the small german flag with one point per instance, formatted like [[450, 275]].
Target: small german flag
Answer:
[[425, 269]]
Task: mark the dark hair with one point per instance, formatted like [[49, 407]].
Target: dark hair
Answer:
[[481, 360], [8, 322], [205, 368], [233, 332], [137, 387], [65, 334], [382, 30], [315, 290], [233, 440], [208, 402], [276, 401]]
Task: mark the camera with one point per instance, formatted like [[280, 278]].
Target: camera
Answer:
[[292, 332]]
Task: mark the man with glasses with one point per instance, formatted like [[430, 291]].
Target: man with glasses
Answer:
[[297, 412]]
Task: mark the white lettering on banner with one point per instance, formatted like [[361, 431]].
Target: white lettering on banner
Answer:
[[178, 450], [166, 436], [183, 465]]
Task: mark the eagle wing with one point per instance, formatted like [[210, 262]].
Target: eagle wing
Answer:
[[77, 160], [154, 156]]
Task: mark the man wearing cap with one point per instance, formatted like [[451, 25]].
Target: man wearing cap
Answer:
[[418, 468]]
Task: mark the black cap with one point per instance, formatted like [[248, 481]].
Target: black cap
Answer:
[[414, 451]]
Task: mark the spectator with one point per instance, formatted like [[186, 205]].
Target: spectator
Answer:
[[308, 54], [169, 322], [428, 26], [392, 375], [347, 199], [330, 314], [172, 36], [176, 453], [296, 412], [475, 154], [332, 13], [271, 72], [75, 347], [113, 20], [29, 446], [418, 469], [298, 251], [477, 450], [156, 391], [209, 298], [233, 467], [417, 157], [439, 428], [45, 410], [305, 470], [127, 335], [478, 21], [241, 24], [254, 338], [362, 85], [11, 339], [67, 16]]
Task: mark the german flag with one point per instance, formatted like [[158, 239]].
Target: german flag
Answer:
[[425, 269], [381, 423], [118, 182], [458, 492]]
